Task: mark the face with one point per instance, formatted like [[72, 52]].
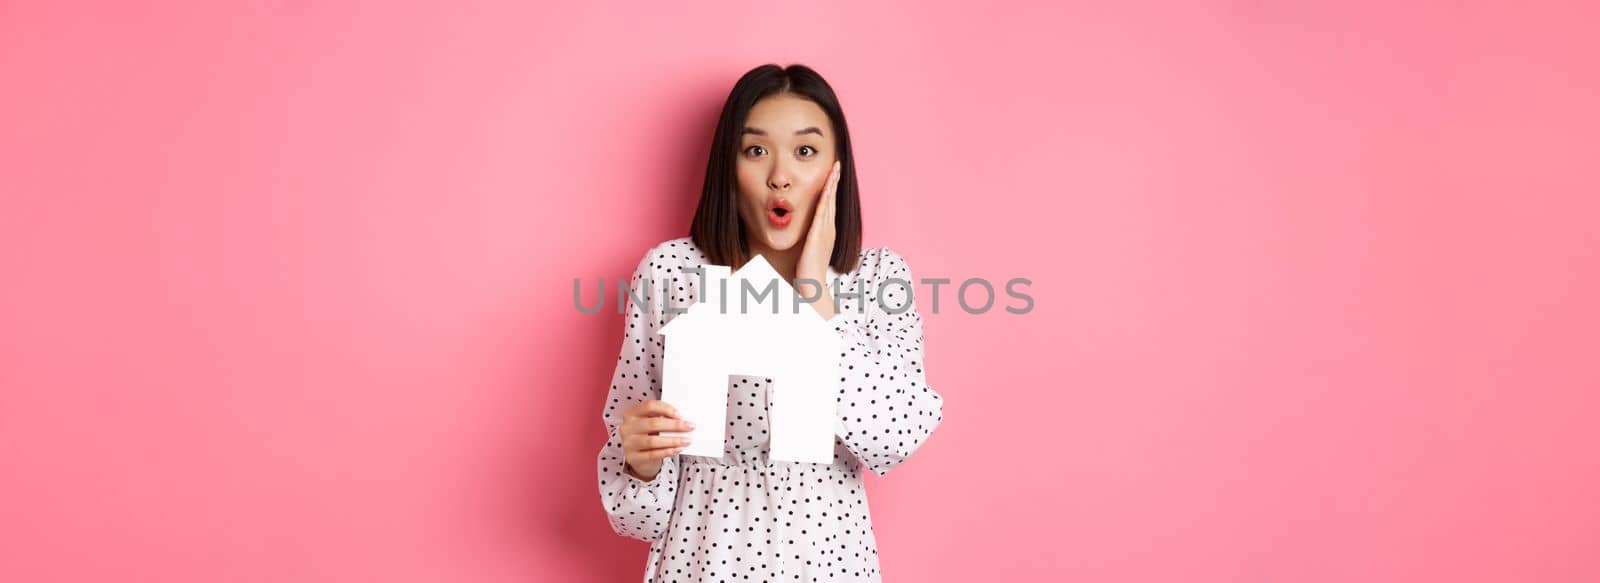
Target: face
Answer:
[[784, 158]]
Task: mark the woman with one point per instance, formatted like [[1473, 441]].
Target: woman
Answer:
[[780, 184]]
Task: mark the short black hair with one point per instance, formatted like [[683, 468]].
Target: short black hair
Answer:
[[716, 229]]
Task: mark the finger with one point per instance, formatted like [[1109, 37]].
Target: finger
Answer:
[[818, 216], [637, 452], [651, 408], [651, 442], [653, 455], [828, 184], [838, 173], [653, 425], [833, 187], [642, 442], [824, 212], [833, 200], [656, 424]]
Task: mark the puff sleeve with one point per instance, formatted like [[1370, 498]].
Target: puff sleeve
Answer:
[[886, 408], [637, 509]]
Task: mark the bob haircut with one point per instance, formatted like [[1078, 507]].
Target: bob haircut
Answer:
[[716, 229]]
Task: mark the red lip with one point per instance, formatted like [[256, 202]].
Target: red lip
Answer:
[[779, 218]]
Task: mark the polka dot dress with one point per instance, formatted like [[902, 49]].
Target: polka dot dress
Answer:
[[743, 517]]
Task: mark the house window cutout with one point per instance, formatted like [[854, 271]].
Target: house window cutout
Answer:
[[750, 322]]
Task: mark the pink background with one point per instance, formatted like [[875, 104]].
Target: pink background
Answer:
[[287, 286]]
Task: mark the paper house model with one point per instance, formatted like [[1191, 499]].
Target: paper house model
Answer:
[[752, 322]]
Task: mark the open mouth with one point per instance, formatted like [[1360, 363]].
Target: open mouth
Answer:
[[779, 213]]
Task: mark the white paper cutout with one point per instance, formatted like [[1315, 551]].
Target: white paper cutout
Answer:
[[751, 322]]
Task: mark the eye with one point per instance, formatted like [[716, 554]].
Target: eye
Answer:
[[750, 149], [802, 149]]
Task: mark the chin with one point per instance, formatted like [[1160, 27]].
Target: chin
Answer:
[[780, 242]]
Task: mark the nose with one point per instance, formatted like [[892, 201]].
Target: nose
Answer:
[[779, 178]]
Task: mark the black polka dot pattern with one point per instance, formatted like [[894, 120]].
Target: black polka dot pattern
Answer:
[[743, 517]]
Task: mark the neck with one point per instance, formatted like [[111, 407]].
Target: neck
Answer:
[[786, 262]]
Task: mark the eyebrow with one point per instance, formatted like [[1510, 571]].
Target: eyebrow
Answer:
[[761, 132]]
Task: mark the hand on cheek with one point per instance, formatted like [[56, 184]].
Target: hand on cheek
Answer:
[[818, 250]]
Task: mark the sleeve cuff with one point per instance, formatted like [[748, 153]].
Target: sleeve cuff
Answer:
[[846, 330], [640, 488]]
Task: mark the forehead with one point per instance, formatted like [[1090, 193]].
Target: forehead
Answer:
[[781, 115]]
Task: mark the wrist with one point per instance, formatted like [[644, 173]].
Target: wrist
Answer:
[[629, 469], [814, 291], [823, 304]]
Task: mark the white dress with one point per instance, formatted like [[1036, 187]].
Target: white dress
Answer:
[[746, 518]]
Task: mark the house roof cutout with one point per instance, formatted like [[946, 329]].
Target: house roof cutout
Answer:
[[756, 291]]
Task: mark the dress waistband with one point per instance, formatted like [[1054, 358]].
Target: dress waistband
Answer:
[[779, 478]]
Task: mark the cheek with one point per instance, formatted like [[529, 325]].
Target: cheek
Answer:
[[750, 208], [750, 187], [816, 182], [804, 205]]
